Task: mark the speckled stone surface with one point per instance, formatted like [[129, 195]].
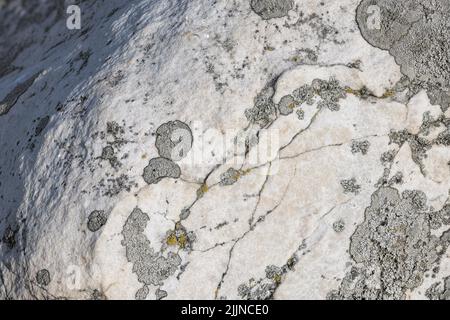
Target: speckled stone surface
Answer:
[[200, 149]]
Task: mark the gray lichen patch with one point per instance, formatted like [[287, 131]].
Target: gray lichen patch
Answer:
[[439, 290], [270, 9], [151, 267], [419, 145], [415, 32], [9, 237], [397, 178], [98, 295], [304, 94], [444, 138], [264, 288], [393, 247], [114, 129], [173, 140], [142, 293], [113, 139], [429, 123], [360, 146], [388, 157], [350, 186], [229, 177], [339, 226], [113, 186], [160, 168], [328, 93], [287, 105], [96, 220], [300, 114], [160, 294], [264, 110], [43, 277], [185, 213], [108, 154], [304, 56]]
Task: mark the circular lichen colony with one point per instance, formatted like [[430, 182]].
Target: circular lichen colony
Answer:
[[160, 168], [270, 9], [415, 32], [96, 220], [339, 226], [173, 140], [287, 105], [43, 277]]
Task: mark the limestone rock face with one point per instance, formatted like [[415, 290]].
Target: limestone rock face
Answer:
[[216, 149]]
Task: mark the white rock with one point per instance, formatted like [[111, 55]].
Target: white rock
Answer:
[[261, 204]]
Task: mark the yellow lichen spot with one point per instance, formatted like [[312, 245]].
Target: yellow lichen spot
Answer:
[[352, 91], [202, 190], [389, 93], [290, 263], [277, 278], [172, 240], [292, 105], [182, 241], [178, 237]]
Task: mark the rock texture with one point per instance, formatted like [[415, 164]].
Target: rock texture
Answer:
[[257, 149]]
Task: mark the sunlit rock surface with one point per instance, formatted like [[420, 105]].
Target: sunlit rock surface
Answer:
[[200, 149]]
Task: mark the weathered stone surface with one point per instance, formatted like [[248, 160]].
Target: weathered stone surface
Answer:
[[257, 149]]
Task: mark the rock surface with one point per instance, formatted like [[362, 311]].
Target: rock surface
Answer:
[[255, 149]]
